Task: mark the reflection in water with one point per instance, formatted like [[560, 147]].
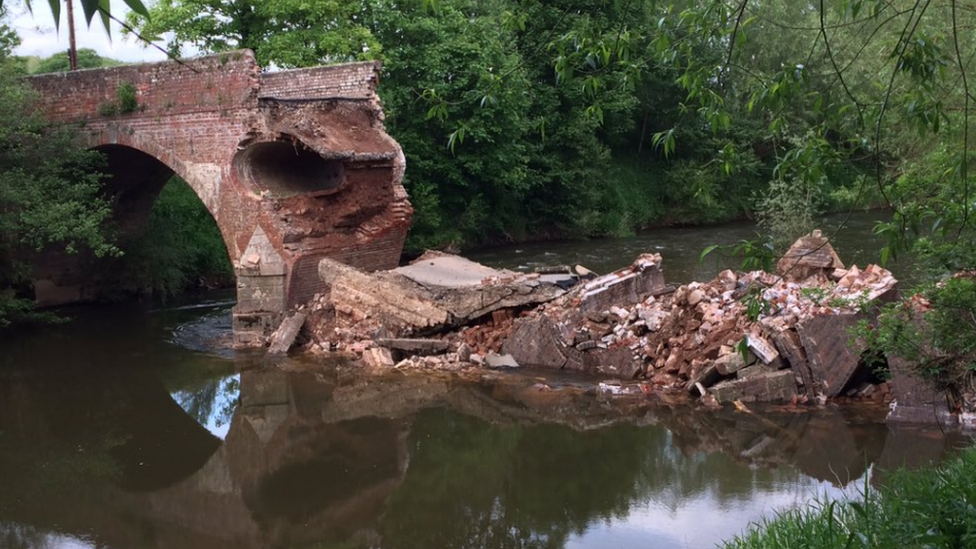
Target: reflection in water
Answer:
[[113, 437], [316, 456], [213, 404]]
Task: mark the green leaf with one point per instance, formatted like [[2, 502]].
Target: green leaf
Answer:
[[706, 251]]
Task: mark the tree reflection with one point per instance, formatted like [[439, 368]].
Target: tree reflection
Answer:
[[472, 484], [211, 402]]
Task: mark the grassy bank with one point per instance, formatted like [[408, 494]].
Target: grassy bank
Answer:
[[932, 508]]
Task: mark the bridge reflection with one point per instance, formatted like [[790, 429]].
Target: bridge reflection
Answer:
[[316, 456]]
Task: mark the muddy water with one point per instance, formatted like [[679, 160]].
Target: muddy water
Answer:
[[681, 248], [124, 430]]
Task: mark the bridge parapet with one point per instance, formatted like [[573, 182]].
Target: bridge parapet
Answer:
[[294, 166], [347, 81]]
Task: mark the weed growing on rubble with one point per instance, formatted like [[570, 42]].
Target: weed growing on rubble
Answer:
[[754, 254], [931, 508]]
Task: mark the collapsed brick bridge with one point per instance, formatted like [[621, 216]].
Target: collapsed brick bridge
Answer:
[[294, 166]]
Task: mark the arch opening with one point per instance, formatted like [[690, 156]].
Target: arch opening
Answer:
[[287, 167], [169, 239]]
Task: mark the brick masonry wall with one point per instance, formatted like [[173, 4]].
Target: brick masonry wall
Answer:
[[350, 80], [168, 88]]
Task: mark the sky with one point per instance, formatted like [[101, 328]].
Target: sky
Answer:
[[39, 37]]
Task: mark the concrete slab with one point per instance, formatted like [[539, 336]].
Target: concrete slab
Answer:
[[450, 271]]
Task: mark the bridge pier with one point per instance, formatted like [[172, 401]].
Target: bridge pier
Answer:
[[294, 166]]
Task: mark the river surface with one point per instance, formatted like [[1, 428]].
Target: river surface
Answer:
[[123, 429], [681, 248]]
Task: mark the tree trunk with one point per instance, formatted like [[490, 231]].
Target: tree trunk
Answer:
[[72, 48]]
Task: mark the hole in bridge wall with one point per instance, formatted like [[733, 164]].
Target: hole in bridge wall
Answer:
[[287, 168]]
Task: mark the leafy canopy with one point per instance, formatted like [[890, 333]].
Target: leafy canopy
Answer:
[[90, 8], [285, 33]]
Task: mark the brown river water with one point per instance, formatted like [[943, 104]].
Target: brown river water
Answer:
[[125, 429]]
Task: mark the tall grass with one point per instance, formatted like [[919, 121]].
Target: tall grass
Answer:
[[932, 509]]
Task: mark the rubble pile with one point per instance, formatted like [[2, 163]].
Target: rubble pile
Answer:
[[740, 337], [700, 336]]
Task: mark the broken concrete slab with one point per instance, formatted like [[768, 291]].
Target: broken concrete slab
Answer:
[[400, 307], [451, 271], [413, 345], [501, 362], [425, 296], [627, 286], [826, 340], [378, 357], [769, 387], [284, 337]]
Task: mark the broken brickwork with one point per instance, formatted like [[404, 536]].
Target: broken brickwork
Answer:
[[294, 166]]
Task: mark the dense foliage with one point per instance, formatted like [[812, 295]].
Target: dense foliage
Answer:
[[499, 147], [930, 508], [181, 249], [49, 192], [523, 118]]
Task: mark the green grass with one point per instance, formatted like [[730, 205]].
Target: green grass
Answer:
[[932, 508]]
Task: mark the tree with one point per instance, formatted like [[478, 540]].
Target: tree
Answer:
[[282, 33], [90, 7], [50, 191], [86, 59]]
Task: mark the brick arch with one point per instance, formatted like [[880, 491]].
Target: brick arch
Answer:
[[203, 190]]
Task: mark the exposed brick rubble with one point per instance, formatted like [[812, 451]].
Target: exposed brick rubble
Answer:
[[695, 339]]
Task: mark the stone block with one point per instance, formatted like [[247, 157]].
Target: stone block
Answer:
[[284, 337], [769, 387], [618, 362], [763, 349], [788, 343], [826, 341], [535, 342]]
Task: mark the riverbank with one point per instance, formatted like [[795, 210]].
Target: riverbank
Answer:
[[925, 508]]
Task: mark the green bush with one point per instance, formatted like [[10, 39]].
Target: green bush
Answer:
[[931, 508], [127, 97]]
